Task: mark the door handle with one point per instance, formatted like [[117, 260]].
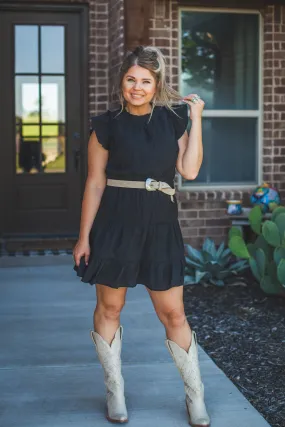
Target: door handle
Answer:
[[76, 150], [76, 157]]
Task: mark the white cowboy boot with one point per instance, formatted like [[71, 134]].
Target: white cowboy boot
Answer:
[[188, 366], [110, 358]]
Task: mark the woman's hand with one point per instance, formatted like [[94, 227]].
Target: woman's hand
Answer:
[[82, 248], [196, 105]]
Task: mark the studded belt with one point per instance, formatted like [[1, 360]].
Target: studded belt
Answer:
[[149, 184]]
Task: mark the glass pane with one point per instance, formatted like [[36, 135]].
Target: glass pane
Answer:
[[28, 148], [50, 130], [52, 49], [54, 153], [31, 132], [220, 58], [27, 98], [230, 152], [53, 99], [26, 49]]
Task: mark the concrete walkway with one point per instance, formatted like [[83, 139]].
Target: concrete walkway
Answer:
[[49, 372]]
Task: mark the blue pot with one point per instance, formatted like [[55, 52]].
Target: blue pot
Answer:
[[234, 207]]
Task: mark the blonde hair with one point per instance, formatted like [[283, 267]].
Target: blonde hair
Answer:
[[152, 59]]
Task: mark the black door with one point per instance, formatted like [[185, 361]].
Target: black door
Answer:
[[42, 121]]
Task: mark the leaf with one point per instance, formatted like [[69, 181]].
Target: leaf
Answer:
[[238, 247], [262, 243], [281, 271], [272, 206], [260, 261], [226, 253], [272, 271], [207, 257], [240, 265], [254, 268], [220, 250], [193, 263], [280, 222], [234, 231], [189, 270], [251, 247], [194, 254], [269, 287], [226, 257], [271, 233], [255, 219], [217, 282], [279, 253], [209, 247], [277, 211], [199, 275], [189, 280]]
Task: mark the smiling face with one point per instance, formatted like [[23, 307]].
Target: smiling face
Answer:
[[138, 86]]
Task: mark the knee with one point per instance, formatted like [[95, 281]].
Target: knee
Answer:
[[174, 318], [110, 311]]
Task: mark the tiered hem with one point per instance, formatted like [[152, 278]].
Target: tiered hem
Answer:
[[117, 273]]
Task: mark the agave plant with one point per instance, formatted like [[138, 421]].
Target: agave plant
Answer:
[[211, 264]]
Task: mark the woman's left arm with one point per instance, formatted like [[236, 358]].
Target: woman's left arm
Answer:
[[190, 154]]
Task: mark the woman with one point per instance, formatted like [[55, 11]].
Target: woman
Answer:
[[129, 231]]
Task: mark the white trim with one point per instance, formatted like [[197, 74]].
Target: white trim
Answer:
[[260, 101], [222, 187], [219, 10], [230, 113]]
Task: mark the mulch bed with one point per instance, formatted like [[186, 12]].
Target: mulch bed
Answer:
[[243, 330]]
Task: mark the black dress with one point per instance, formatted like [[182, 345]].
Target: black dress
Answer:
[[136, 237]]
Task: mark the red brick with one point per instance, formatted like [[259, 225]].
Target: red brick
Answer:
[[192, 223], [190, 214], [212, 213]]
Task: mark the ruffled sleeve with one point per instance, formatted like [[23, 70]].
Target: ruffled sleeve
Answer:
[[180, 119], [101, 125]]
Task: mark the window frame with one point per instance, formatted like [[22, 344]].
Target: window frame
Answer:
[[229, 113]]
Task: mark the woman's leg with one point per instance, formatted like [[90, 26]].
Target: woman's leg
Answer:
[[183, 347], [107, 337], [169, 308], [110, 303]]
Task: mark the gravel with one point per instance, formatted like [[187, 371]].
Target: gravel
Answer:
[[243, 330]]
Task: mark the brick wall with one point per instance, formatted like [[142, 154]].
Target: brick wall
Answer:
[[116, 45], [274, 97], [202, 213], [98, 56]]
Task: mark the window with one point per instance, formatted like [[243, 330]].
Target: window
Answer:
[[40, 98], [220, 60]]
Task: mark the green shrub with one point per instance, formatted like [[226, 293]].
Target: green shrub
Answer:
[[266, 256]]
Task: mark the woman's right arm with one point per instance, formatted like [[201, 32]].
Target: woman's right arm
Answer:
[[94, 189]]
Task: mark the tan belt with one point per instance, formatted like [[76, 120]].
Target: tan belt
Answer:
[[149, 184]]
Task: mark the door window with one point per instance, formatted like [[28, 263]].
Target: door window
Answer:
[[40, 120]]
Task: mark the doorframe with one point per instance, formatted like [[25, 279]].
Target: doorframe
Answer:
[[83, 11]]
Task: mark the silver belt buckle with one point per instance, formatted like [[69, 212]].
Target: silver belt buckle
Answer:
[[148, 184]]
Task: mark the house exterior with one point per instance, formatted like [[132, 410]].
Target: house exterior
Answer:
[[59, 63]]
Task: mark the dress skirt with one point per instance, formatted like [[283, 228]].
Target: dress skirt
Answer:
[[135, 239]]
